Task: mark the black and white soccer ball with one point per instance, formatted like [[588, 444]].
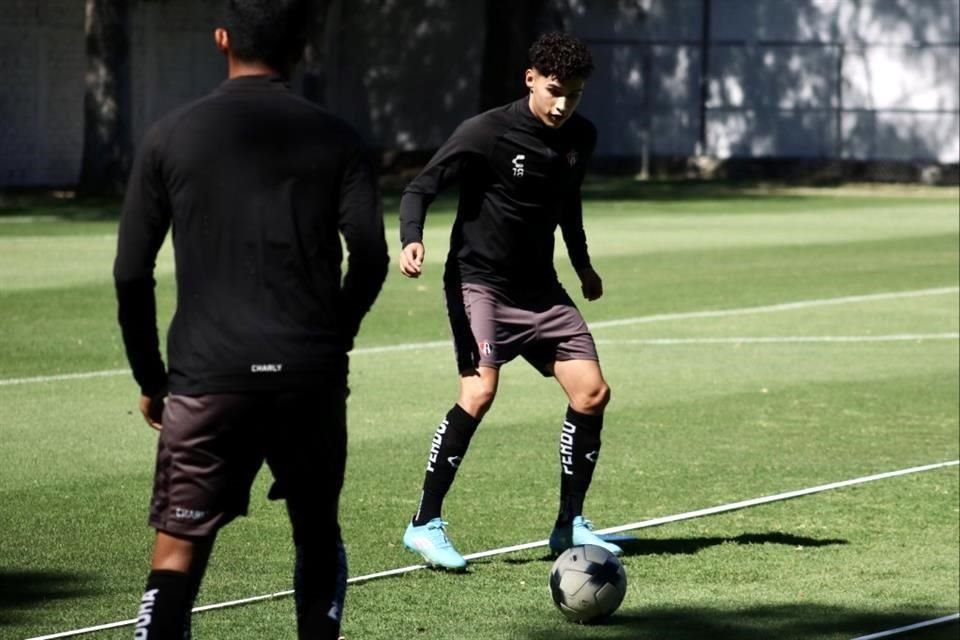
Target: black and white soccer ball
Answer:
[[587, 583]]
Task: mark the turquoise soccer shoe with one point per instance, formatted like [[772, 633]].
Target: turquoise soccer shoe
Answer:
[[430, 541], [579, 532]]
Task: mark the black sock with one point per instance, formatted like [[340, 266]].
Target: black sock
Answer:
[[320, 586], [450, 444], [194, 590], [579, 448], [165, 606]]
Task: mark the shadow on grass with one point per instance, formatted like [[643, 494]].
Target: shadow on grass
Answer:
[[687, 190], [780, 622], [71, 207], [690, 546], [63, 204], [67, 212], [22, 590]]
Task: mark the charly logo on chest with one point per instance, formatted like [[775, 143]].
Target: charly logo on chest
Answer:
[[518, 165], [551, 166]]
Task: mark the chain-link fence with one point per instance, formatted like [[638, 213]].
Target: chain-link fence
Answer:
[[828, 89]]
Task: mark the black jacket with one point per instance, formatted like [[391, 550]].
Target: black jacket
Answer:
[[519, 179], [258, 185]]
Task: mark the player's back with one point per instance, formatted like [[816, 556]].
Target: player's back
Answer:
[[254, 176]]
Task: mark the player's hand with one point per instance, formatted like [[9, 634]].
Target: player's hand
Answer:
[[590, 283], [411, 260], [152, 409]]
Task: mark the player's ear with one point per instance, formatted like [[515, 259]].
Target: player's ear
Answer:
[[222, 39], [528, 78]]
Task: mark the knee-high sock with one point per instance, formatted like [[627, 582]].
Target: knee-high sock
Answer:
[[579, 449], [449, 446], [320, 587], [165, 606]]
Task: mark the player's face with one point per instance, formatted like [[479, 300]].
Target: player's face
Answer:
[[553, 101]]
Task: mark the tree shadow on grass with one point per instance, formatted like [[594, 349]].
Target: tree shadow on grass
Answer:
[[22, 590], [57, 203], [780, 622], [685, 190]]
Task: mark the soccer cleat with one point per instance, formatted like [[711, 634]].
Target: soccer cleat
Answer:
[[580, 531], [430, 541]]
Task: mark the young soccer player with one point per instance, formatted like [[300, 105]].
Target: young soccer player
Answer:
[[258, 185], [520, 167]]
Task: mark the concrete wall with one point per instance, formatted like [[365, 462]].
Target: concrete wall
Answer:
[[857, 79]]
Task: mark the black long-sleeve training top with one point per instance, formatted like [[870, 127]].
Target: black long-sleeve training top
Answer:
[[258, 185], [518, 179]]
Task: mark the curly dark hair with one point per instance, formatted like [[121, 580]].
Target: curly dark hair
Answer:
[[561, 55]]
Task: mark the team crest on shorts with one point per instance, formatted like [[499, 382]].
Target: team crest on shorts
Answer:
[[486, 348]]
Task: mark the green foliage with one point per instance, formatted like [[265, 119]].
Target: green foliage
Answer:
[[692, 424]]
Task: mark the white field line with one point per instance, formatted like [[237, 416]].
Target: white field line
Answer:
[[413, 346], [771, 308], [733, 506], [910, 627], [899, 337], [84, 375]]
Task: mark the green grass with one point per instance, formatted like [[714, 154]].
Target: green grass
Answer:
[[692, 424]]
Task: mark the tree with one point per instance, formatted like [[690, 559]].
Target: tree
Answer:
[[512, 25], [107, 134], [320, 51]]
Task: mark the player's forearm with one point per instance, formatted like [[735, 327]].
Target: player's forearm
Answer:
[[137, 314], [576, 240], [413, 212], [367, 266], [580, 258]]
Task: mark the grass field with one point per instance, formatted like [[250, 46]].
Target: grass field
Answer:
[[833, 355]]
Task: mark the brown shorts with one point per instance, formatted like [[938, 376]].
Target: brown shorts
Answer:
[[212, 446], [491, 328]]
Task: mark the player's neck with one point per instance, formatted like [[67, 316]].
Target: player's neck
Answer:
[[239, 68]]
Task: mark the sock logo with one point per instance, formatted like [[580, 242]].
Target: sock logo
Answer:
[[454, 461], [435, 445], [145, 615], [334, 613], [566, 447], [592, 456]]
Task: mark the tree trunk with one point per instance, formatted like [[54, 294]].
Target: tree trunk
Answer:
[[316, 56], [512, 25], [107, 135]]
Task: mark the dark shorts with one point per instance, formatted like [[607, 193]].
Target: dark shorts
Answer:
[[491, 328], [212, 446]]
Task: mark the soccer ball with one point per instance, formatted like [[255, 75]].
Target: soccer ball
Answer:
[[587, 583]]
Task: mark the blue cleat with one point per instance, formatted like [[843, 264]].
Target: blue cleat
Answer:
[[579, 532], [430, 541]]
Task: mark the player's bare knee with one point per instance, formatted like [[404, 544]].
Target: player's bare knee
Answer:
[[477, 401], [592, 401]]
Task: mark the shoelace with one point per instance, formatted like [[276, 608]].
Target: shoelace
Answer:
[[441, 527]]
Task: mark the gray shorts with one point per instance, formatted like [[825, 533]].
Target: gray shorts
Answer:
[[491, 328], [212, 446]]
